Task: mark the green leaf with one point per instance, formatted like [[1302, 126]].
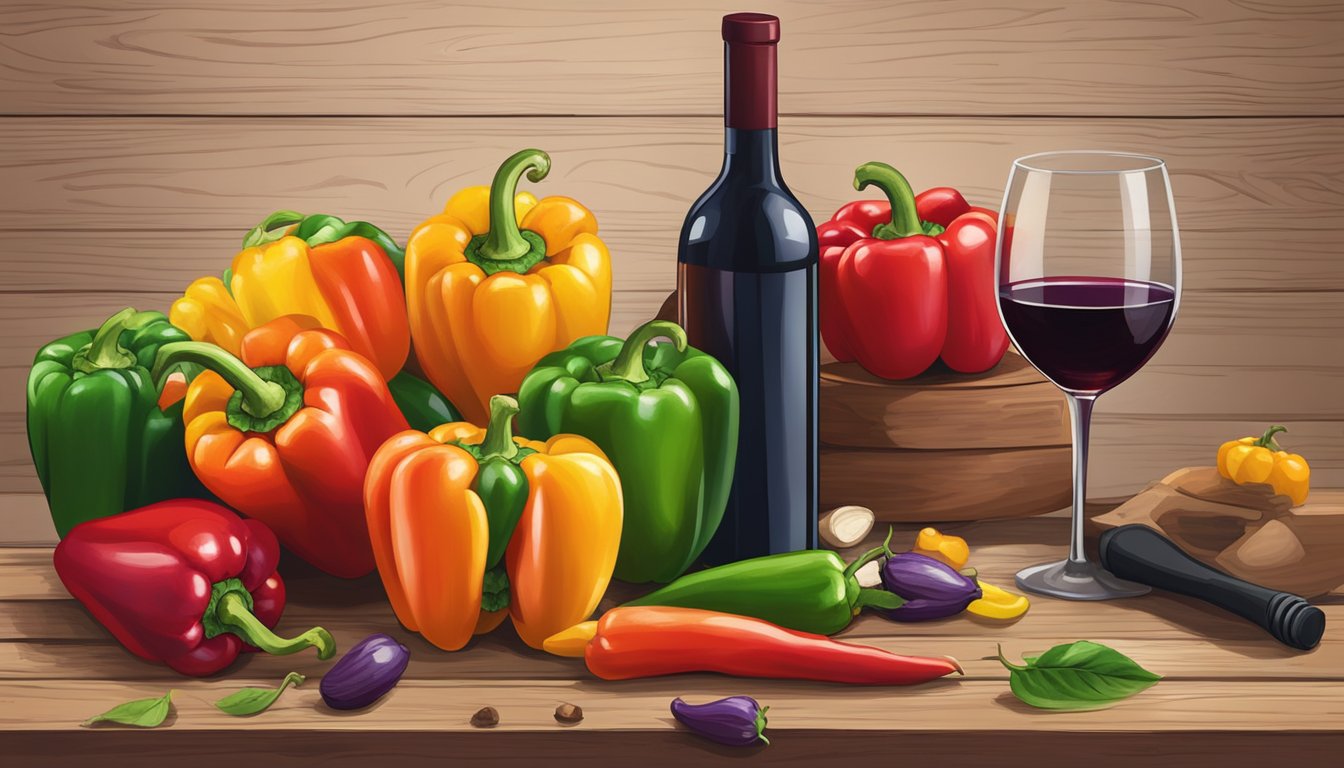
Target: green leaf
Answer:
[[1081, 675], [142, 713], [252, 701]]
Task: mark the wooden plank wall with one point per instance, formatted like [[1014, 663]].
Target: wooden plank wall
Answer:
[[140, 138]]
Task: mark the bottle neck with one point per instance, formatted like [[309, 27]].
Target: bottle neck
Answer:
[[750, 85], [751, 153]]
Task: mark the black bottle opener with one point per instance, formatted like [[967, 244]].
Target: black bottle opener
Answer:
[[1139, 553]]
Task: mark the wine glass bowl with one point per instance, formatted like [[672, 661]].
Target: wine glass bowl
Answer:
[[1088, 269]]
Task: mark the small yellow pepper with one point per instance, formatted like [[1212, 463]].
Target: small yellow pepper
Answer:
[[950, 550], [996, 603], [1261, 460]]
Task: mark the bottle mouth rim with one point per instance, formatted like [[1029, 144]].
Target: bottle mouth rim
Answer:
[[751, 28]]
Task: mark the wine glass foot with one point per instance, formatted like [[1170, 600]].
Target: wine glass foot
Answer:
[[1076, 581]]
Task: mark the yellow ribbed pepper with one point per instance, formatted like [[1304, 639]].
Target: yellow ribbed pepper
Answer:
[[1261, 460], [499, 280], [344, 275]]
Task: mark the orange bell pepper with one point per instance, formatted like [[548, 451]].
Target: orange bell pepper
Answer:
[[498, 280], [445, 508], [285, 435], [343, 274]]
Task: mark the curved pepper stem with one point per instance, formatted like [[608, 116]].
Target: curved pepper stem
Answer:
[[629, 362], [271, 228], [105, 351], [871, 555], [499, 431], [235, 616], [265, 397], [904, 217], [1267, 440], [505, 241]]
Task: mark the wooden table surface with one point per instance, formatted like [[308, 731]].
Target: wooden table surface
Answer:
[[1230, 694]]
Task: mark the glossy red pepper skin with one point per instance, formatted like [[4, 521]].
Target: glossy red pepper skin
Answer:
[[893, 306], [153, 577], [649, 641]]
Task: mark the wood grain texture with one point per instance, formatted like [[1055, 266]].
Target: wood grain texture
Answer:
[[1221, 676], [1010, 406], [1109, 57], [667, 748], [932, 486], [1238, 183]]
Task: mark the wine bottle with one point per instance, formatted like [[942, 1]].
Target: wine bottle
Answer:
[[747, 294]]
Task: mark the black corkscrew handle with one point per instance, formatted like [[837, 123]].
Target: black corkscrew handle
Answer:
[[1139, 553]]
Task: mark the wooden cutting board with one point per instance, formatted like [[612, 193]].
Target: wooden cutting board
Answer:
[[945, 446]]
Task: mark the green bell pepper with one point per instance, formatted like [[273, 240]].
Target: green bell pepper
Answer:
[[666, 416], [100, 442], [423, 406]]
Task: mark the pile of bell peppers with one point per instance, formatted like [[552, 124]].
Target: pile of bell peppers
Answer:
[[909, 280], [282, 402]]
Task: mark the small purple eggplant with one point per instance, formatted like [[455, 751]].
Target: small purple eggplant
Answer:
[[931, 589], [366, 672], [737, 721]]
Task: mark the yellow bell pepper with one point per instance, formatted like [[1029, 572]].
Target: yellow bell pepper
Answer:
[[498, 280], [1261, 460], [951, 550], [342, 274]]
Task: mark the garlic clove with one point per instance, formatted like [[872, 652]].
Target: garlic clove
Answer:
[[846, 526]]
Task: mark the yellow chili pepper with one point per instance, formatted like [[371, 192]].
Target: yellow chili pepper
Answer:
[[951, 550], [1261, 460], [996, 603], [499, 280]]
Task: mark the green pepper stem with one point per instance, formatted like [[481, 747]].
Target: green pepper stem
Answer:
[[260, 398], [499, 431], [233, 613], [271, 228], [629, 362], [105, 350], [870, 555], [904, 217], [1267, 440], [504, 241]]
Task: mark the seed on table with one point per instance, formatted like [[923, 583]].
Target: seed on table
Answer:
[[485, 717], [568, 713]]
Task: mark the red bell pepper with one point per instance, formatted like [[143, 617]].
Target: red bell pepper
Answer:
[[910, 279], [285, 435], [183, 582]]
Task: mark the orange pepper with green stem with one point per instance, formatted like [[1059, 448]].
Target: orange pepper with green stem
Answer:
[[285, 435], [499, 280], [471, 525]]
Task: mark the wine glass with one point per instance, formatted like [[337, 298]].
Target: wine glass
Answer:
[[1088, 260]]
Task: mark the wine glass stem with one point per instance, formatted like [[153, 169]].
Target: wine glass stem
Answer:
[[1080, 411]]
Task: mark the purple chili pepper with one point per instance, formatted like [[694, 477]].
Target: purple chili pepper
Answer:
[[737, 721], [931, 588]]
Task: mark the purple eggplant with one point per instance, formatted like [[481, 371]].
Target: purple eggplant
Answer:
[[737, 721], [931, 589], [365, 673]]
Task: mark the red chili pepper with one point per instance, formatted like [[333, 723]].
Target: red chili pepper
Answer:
[[183, 582], [648, 641], [910, 279]]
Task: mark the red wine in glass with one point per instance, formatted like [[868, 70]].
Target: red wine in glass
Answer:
[[1089, 278], [1087, 334]]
